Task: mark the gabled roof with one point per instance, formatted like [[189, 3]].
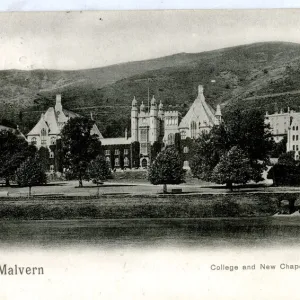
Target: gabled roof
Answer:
[[51, 120], [199, 111], [36, 130], [95, 130]]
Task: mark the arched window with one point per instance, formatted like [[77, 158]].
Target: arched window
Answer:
[[193, 129], [144, 163], [33, 141], [293, 127], [43, 136], [171, 139], [126, 162], [117, 162], [296, 127], [185, 150], [183, 135], [53, 140]]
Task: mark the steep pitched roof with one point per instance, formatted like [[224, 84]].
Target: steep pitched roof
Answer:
[[199, 111], [36, 130], [95, 130], [51, 120]]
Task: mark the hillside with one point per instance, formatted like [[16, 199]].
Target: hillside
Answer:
[[258, 75]]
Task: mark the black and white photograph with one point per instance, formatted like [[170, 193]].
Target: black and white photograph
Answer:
[[150, 154]]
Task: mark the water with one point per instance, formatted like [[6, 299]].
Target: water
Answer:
[[206, 233]]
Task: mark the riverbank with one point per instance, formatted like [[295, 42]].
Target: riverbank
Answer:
[[143, 206]]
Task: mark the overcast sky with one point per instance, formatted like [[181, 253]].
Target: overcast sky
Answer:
[[93, 39]]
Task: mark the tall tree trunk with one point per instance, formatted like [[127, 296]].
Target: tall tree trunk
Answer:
[[165, 189], [80, 181], [7, 182], [229, 186], [98, 192]]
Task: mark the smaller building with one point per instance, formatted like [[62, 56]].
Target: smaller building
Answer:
[[118, 151], [286, 124], [47, 130], [279, 123]]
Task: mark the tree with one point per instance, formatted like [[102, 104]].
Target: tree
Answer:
[[206, 152], [166, 168], [31, 173], [155, 149], [246, 130], [135, 152], [234, 167], [79, 146], [98, 171], [279, 148], [14, 150], [287, 159], [286, 171], [43, 155], [177, 142]]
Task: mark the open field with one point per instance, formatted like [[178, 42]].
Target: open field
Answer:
[[138, 206]]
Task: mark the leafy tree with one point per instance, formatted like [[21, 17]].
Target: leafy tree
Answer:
[[79, 146], [135, 146], [166, 168], [246, 130], [206, 152], [286, 171], [31, 173], [14, 150], [279, 148], [98, 171], [58, 154], [155, 149], [234, 167], [287, 159], [43, 155], [177, 142]]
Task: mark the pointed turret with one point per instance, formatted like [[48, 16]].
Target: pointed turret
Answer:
[[134, 102], [160, 110], [142, 107], [218, 114], [134, 120]]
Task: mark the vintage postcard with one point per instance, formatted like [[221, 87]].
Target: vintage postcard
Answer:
[[150, 154]]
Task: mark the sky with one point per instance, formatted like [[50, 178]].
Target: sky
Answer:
[[90, 39]]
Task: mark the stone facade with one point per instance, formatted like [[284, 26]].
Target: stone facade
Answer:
[[286, 124], [147, 128], [47, 130], [157, 125]]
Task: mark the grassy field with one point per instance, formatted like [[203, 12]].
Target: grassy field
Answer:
[[138, 206]]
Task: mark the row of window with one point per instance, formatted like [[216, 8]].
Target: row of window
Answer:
[[171, 121], [117, 161], [295, 148], [43, 140], [295, 127], [117, 152], [295, 137]]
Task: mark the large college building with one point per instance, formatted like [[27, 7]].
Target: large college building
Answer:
[[147, 127], [286, 124]]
